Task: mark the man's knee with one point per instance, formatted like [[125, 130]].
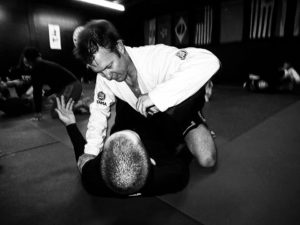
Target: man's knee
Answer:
[[202, 146], [207, 157], [207, 161]]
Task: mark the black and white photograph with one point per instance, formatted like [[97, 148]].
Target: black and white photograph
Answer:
[[149, 112]]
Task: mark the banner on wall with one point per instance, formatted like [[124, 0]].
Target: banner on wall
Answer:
[[150, 31], [181, 30], [297, 20], [164, 30], [54, 36], [203, 26], [261, 18], [281, 18]]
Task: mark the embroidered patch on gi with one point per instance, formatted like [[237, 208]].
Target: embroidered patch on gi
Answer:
[[182, 54], [101, 97]]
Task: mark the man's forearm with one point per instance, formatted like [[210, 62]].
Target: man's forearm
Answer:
[[77, 140]]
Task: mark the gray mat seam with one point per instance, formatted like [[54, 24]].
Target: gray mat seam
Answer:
[[260, 122], [181, 212], [3, 155]]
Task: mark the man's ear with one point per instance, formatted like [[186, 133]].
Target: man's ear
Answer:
[[120, 47]]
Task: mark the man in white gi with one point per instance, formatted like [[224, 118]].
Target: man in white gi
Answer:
[[153, 80]]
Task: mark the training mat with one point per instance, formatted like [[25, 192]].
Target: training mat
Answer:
[[42, 186], [55, 128], [233, 110], [256, 181], [20, 135]]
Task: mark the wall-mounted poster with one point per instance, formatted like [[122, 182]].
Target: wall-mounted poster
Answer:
[[150, 31], [164, 29], [54, 36], [181, 30]]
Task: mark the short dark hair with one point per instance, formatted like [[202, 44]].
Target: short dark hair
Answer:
[[125, 164], [95, 33], [31, 53]]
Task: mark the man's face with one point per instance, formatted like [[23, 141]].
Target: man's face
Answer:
[[109, 64]]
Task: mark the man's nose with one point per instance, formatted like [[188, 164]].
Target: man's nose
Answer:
[[88, 66]]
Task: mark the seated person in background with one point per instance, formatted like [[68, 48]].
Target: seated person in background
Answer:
[[285, 78], [60, 80], [126, 166], [11, 104], [19, 77]]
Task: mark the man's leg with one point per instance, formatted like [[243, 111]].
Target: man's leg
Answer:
[[187, 115], [201, 144]]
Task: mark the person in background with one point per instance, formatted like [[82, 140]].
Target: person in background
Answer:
[[19, 78], [284, 79], [15, 100], [44, 72]]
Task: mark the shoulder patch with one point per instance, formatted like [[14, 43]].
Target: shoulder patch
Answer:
[[182, 54], [101, 97]]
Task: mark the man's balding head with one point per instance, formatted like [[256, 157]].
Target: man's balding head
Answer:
[[125, 164]]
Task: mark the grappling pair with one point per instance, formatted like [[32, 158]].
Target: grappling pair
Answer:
[[142, 156], [159, 94]]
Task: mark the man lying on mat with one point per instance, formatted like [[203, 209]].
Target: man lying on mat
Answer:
[[126, 166]]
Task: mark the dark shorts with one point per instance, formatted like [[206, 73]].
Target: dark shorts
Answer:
[[188, 114], [167, 127]]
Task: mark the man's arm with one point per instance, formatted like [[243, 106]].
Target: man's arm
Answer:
[[195, 70], [90, 172], [66, 115], [100, 112]]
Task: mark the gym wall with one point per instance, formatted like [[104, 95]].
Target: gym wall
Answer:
[[25, 23], [247, 35]]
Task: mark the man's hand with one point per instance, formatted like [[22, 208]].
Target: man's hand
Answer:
[[145, 105], [65, 111]]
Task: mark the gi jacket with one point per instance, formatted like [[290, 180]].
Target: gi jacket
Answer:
[[169, 75]]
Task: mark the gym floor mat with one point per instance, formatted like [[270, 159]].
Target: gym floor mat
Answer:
[[42, 186], [256, 181]]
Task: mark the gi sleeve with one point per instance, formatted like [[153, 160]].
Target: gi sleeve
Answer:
[[195, 71], [99, 114]]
